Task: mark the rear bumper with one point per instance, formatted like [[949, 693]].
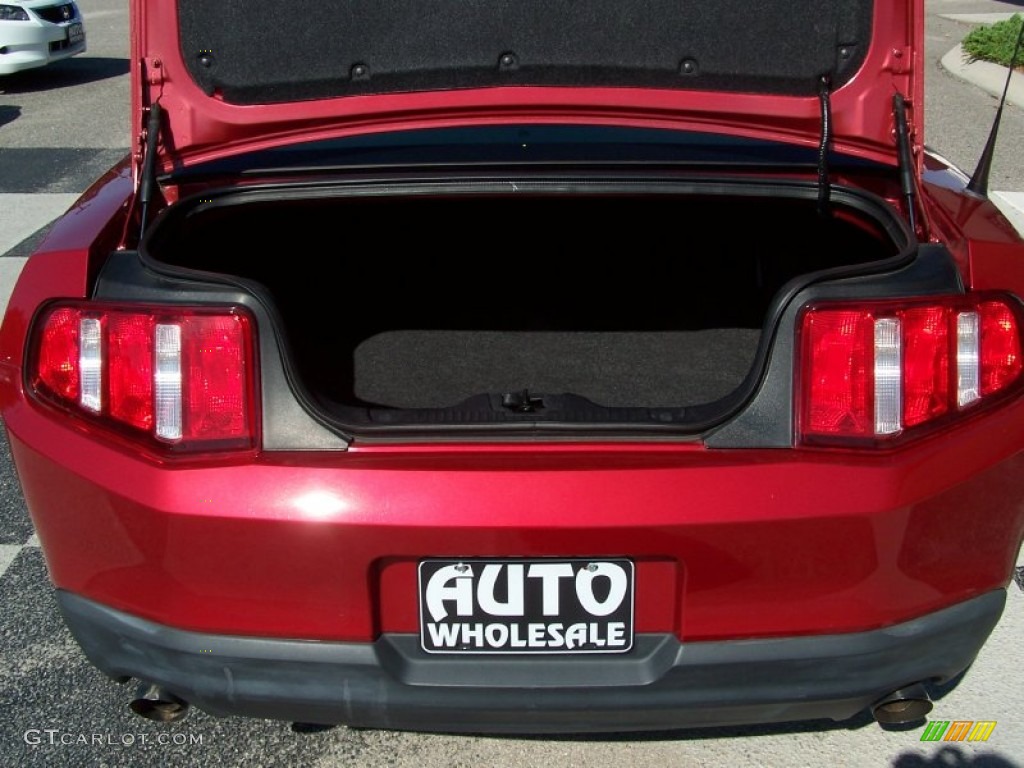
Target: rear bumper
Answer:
[[728, 545], [660, 684]]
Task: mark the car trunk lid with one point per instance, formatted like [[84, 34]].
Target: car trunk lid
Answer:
[[233, 77]]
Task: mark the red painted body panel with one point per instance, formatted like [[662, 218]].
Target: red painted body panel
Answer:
[[984, 242], [324, 545], [729, 543]]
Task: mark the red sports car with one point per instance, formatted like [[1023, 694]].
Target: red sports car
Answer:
[[525, 367]]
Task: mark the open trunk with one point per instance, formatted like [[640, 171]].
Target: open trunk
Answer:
[[456, 308]]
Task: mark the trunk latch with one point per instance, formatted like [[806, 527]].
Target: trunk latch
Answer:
[[522, 402]]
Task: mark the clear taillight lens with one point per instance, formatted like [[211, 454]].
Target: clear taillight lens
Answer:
[[871, 371], [183, 378]]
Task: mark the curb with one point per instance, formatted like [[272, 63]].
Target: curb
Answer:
[[990, 77]]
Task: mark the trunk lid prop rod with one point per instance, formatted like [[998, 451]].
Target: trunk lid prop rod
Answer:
[[147, 178], [906, 159]]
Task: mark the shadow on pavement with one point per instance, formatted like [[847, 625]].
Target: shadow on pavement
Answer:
[[861, 720], [8, 114], [953, 757], [64, 74], [937, 691]]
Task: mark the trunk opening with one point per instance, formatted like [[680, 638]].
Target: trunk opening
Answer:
[[496, 308]]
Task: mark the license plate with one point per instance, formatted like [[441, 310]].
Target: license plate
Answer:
[[76, 33], [571, 606]]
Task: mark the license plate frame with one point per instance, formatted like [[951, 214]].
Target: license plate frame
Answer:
[[505, 606]]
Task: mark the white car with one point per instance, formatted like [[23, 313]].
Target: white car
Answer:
[[37, 32]]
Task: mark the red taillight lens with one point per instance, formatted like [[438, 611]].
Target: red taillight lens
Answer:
[[216, 389], [57, 361], [1000, 348], [873, 370], [925, 363], [842, 347], [184, 378], [130, 373]]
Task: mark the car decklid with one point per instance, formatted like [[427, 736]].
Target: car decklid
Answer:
[[238, 75]]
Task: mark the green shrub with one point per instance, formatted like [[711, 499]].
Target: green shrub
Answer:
[[995, 42]]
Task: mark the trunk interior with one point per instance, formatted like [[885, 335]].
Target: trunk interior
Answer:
[[495, 308]]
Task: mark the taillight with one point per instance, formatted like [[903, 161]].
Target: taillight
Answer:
[[869, 372], [183, 378]]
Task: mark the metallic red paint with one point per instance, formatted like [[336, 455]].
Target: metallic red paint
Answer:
[[728, 543]]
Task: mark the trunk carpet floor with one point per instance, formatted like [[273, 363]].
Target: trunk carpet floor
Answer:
[[434, 369]]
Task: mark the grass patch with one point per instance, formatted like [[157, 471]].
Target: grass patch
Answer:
[[995, 42]]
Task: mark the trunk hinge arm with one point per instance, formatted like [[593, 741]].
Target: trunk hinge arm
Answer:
[[906, 159], [825, 102], [154, 71], [901, 60]]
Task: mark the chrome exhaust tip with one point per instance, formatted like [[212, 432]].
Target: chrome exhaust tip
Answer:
[[903, 706], [154, 703]]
